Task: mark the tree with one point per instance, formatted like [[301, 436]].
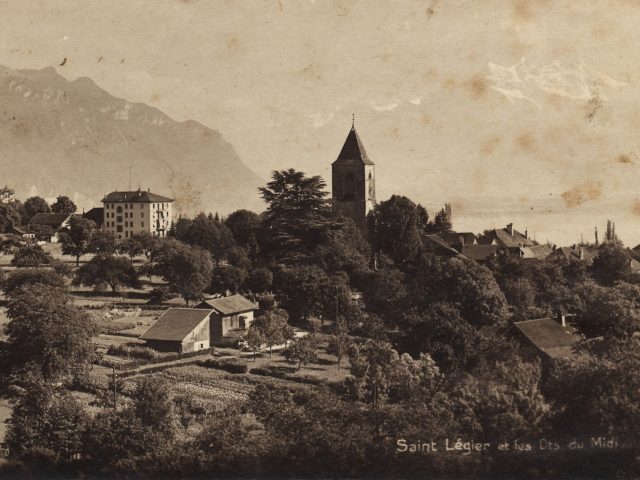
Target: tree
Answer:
[[44, 421], [304, 289], [298, 214], [109, 270], [207, 232], [442, 222], [611, 264], [153, 406], [47, 333], [302, 350], [260, 280], [9, 217], [228, 278], [13, 283], [272, 326], [394, 229], [142, 243], [340, 341], [245, 226], [76, 238], [103, 243], [63, 204], [613, 312], [34, 205], [442, 333], [465, 283], [9, 246], [31, 254], [187, 269], [254, 340]]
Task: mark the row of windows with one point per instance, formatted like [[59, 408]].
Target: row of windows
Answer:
[[126, 214], [129, 206], [126, 224]]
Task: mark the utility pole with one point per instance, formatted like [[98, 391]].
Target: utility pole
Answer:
[[115, 391]]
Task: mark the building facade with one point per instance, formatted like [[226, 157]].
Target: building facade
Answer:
[[129, 213], [353, 181]]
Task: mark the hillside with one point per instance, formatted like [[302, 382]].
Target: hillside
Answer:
[[74, 138]]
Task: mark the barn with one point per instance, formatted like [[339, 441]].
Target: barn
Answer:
[[181, 330]]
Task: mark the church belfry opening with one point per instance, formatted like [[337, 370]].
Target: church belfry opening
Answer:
[[353, 180]]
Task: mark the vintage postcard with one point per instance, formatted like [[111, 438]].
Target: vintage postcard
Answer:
[[347, 239]]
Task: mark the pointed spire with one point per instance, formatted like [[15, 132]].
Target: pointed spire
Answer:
[[353, 149], [353, 121]]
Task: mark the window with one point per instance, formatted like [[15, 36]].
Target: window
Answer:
[[119, 219], [349, 187], [119, 209], [142, 215], [119, 228], [142, 224]]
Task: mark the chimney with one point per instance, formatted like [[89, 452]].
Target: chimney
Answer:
[[562, 319], [526, 232], [510, 229]]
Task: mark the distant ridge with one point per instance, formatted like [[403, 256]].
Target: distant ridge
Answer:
[[74, 138]]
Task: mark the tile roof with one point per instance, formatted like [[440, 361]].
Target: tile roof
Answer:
[[175, 324], [549, 336], [572, 253], [541, 251], [229, 305], [454, 238], [438, 241], [138, 196], [527, 252], [479, 252], [353, 150], [54, 220]]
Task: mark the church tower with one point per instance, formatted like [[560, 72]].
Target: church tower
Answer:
[[353, 180]]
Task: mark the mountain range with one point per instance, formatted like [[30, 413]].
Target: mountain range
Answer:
[[61, 137]]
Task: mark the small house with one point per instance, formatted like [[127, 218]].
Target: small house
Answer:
[[181, 330], [231, 316]]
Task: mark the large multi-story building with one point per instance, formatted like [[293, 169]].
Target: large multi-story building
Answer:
[[128, 213]]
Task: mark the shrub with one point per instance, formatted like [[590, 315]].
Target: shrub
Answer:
[[133, 351], [226, 365], [111, 328]]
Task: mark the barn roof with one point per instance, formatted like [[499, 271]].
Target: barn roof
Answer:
[[229, 305], [175, 324]]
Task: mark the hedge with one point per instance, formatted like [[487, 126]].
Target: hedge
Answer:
[[226, 365]]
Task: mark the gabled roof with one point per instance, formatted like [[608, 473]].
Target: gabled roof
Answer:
[[527, 252], [175, 324], [454, 238], [54, 220], [479, 253], [571, 253], [229, 305], [138, 196], [353, 150], [504, 238], [437, 241], [541, 251], [549, 336]]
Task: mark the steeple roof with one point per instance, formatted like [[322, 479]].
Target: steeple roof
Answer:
[[353, 150]]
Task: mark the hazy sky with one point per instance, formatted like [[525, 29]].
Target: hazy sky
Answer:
[[515, 110]]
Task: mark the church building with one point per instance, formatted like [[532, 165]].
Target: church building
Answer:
[[353, 179]]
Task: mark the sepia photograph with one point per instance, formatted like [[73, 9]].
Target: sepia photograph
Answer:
[[319, 239]]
